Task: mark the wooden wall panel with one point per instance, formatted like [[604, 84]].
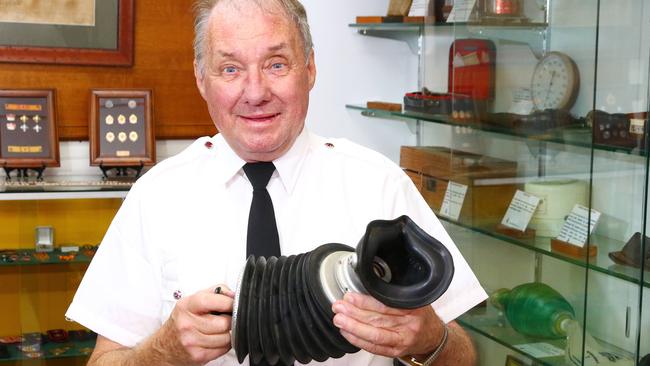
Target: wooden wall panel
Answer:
[[162, 62]]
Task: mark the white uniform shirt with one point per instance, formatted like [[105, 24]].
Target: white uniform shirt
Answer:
[[182, 228]]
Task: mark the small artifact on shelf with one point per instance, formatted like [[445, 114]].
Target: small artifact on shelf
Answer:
[[631, 255], [535, 309], [378, 19], [470, 88], [559, 196], [626, 130], [537, 122], [385, 106], [431, 168], [44, 238]]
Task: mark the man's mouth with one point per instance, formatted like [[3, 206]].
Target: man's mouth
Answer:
[[260, 117]]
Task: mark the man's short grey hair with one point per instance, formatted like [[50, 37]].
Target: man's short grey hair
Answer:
[[293, 9]]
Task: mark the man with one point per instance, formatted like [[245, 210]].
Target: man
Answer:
[[150, 290]]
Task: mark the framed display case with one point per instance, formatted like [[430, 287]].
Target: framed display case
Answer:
[[121, 128], [28, 130], [544, 188]]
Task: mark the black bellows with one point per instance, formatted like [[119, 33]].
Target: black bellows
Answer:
[[282, 311]]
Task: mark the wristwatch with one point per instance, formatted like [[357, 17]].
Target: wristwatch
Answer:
[[428, 360]]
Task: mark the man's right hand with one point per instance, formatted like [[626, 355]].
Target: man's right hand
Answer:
[[192, 335]]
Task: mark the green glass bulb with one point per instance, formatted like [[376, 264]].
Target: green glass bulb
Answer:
[[535, 309]]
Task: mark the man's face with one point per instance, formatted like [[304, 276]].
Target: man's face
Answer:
[[256, 80]]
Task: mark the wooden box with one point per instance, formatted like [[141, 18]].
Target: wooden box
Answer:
[[489, 180]]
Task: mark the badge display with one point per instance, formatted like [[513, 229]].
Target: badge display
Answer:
[[121, 128], [28, 135]]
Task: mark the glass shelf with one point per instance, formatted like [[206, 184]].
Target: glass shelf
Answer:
[[29, 257], [63, 188], [600, 263], [489, 322], [52, 350], [530, 33], [579, 136]]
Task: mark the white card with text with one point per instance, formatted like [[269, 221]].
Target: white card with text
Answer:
[[574, 230], [453, 201], [521, 210], [418, 8], [461, 11]]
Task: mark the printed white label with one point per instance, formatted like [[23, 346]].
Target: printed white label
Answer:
[[461, 11], [418, 8], [453, 201], [540, 350], [520, 211], [574, 229]]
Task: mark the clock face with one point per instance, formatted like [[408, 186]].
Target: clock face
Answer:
[[555, 82]]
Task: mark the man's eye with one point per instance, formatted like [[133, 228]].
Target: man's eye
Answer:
[[229, 70], [277, 66]]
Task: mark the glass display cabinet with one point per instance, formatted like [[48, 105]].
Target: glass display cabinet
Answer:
[[531, 130], [50, 232]]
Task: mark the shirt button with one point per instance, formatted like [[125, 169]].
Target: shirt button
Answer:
[[329, 144], [177, 294], [208, 144]]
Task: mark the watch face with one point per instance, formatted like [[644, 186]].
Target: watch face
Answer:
[[555, 82]]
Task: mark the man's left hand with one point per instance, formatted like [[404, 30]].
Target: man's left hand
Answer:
[[368, 324]]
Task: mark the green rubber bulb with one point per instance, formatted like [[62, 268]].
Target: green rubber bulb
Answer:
[[535, 309]]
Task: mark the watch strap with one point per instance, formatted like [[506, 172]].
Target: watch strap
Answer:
[[428, 360]]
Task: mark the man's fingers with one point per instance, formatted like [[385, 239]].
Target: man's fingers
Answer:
[[369, 346], [376, 319], [367, 332], [222, 290], [369, 303], [205, 302]]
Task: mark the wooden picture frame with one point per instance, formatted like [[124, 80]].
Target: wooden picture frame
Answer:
[[28, 130], [14, 48], [121, 128]]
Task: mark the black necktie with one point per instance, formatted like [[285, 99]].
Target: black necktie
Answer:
[[262, 231]]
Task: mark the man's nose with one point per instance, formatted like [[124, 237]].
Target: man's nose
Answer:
[[257, 89]]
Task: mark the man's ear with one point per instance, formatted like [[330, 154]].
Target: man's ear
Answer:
[[198, 76], [311, 69]]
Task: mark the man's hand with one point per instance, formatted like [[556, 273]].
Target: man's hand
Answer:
[[368, 324], [192, 333], [191, 336]]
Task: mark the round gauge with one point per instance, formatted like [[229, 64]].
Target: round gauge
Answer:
[[555, 82]]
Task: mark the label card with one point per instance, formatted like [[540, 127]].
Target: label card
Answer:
[[453, 201], [461, 11], [574, 230], [540, 350], [520, 211], [418, 8]]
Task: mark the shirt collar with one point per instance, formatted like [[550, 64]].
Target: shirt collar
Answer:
[[287, 166]]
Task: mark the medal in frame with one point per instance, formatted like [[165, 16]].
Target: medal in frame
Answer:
[[121, 130], [28, 131]]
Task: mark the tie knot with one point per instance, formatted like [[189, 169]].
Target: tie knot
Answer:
[[259, 174]]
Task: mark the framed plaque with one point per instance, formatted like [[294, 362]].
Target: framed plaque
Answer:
[[121, 128], [28, 136], [77, 32]]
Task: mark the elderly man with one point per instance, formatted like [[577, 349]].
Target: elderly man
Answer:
[[185, 229]]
